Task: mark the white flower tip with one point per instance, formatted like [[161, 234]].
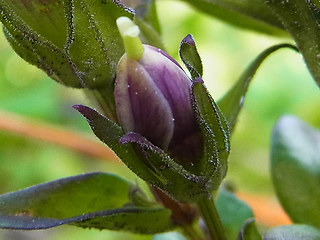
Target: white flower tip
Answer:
[[127, 27]]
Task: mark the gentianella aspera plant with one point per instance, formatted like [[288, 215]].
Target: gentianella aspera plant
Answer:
[[163, 124]]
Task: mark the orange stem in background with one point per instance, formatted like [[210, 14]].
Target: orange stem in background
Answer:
[[267, 212], [72, 140]]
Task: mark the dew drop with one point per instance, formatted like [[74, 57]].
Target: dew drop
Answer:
[[242, 100]]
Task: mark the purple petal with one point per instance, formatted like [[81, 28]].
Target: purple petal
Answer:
[[163, 53], [175, 86], [141, 106]]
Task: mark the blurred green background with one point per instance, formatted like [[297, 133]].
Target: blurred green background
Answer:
[[281, 86]]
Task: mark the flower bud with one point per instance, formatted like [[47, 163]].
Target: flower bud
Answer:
[[152, 96], [171, 133]]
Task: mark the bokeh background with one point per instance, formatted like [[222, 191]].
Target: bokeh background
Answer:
[[281, 86]]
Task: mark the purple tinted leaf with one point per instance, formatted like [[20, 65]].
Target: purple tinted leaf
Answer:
[[90, 200], [110, 133], [181, 184], [190, 57]]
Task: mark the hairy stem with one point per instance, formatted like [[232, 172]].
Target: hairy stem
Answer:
[[211, 218]]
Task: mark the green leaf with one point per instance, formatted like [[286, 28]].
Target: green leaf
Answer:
[[53, 24], [75, 42], [292, 232], [245, 14], [190, 57], [215, 131], [301, 21], [95, 45], [249, 231], [233, 212], [295, 169], [97, 200], [232, 102]]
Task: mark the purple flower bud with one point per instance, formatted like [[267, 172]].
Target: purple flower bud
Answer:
[[152, 98]]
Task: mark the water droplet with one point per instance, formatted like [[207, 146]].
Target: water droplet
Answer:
[[242, 100]]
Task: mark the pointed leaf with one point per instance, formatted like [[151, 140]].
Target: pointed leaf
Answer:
[[215, 129], [301, 20], [233, 212], [295, 169], [96, 200], [110, 133], [232, 102], [180, 184], [245, 14], [249, 231], [292, 232], [190, 56]]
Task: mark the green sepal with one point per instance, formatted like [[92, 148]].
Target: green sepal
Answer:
[[292, 232], [215, 131], [300, 19], [148, 161], [110, 134], [190, 56], [232, 211], [95, 200], [232, 102], [249, 231], [248, 14], [180, 184], [295, 169]]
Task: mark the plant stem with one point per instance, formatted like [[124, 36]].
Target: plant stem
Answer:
[[212, 219], [191, 233]]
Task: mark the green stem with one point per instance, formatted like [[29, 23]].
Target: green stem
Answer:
[[191, 233], [211, 218]]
